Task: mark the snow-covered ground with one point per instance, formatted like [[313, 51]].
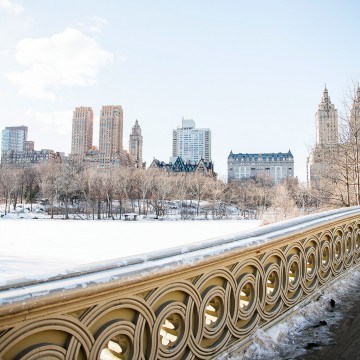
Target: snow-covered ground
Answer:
[[43, 247], [30, 247], [173, 212]]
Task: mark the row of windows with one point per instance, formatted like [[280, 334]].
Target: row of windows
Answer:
[[247, 159]]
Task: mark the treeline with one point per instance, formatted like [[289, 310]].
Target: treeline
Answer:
[[68, 188]]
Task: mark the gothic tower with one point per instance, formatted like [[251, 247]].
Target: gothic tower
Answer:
[[320, 160], [326, 120], [136, 144], [355, 116]]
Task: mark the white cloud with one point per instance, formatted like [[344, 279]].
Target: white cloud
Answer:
[[70, 58], [92, 24], [11, 6], [98, 24], [56, 121]]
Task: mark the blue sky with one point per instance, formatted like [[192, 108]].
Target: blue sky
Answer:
[[252, 71]]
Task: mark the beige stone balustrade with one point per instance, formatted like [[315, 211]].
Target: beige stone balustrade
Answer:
[[179, 304]]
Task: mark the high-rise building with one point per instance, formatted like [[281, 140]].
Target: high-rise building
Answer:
[[136, 144], [327, 139], [13, 138], [111, 133], [355, 117], [326, 122], [277, 166], [82, 131], [191, 144]]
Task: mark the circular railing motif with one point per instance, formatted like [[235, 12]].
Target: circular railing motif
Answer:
[[193, 317], [357, 241], [245, 318], [325, 257], [119, 347], [247, 295], [171, 330], [214, 311], [311, 266], [356, 237]]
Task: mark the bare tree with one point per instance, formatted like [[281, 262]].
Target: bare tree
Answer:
[[108, 188], [122, 180], [181, 184], [198, 189], [9, 179], [31, 182], [53, 184], [260, 189], [69, 178], [143, 182], [88, 183], [282, 202], [160, 192], [216, 195]]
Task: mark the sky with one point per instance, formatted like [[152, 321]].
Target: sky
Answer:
[[251, 71]]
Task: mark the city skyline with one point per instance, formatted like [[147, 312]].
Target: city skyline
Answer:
[[252, 73]]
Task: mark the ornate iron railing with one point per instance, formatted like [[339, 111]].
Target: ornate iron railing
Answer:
[[192, 303]]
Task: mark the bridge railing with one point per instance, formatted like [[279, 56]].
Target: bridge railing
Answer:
[[183, 303]]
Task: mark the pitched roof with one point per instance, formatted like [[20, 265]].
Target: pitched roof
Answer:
[[180, 166], [264, 156]]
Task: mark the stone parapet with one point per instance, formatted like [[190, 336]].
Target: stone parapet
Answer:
[[183, 303]]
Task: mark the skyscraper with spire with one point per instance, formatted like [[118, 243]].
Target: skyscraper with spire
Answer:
[[326, 122], [355, 116], [136, 144], [327, 139]]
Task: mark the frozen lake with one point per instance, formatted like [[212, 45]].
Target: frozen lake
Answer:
[[29, 247]]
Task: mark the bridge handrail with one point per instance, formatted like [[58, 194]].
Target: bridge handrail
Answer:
[[230, 285], [123, 269]]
